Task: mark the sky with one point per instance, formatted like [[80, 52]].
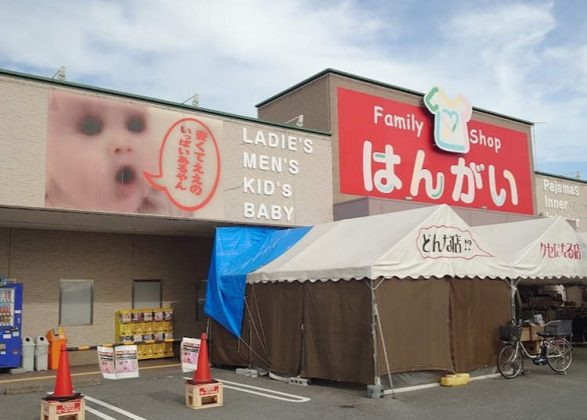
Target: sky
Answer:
[[525, 59]]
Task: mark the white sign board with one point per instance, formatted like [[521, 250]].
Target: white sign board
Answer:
[[190, 348]]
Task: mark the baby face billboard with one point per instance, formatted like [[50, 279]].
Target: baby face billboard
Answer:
[[391, 149], [107, 155]]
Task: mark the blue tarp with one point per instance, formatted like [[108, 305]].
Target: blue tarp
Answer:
[[237, 252]]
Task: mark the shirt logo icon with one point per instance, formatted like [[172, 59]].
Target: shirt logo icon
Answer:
[[450, 120]]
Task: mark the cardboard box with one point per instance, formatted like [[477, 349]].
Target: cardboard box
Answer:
[[534, 330], [530, 333], [525, 334]]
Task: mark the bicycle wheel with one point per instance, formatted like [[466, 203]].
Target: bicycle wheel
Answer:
[[559, 354], [509, 361]]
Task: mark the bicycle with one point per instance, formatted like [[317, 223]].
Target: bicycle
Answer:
[[555, 349]]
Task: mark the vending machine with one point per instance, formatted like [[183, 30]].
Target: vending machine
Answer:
[[10, 324]]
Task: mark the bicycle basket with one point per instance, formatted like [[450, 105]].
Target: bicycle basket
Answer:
[[559, 328], [510, 332]]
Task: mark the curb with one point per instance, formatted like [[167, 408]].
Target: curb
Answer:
[[22, 389]]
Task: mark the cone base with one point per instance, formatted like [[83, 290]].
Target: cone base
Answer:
[[200, 382], [204, 395], [65, 398]]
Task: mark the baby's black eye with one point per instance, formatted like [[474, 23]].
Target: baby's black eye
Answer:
[[136, 124], [90, 125]]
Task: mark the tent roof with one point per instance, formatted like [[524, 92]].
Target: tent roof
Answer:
[[541, 251], [426, 242]]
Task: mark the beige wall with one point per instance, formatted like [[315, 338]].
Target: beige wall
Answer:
[[310, 100], [40, 258], [564, 197], [370, 206], [23, 118], [23, 153]]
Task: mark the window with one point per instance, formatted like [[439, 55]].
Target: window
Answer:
[[146, 294], [76, 301]]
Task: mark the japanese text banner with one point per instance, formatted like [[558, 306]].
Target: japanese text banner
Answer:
[[386, 149]]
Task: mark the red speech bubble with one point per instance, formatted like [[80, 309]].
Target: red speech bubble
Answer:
[[189, 165], [440, 241]]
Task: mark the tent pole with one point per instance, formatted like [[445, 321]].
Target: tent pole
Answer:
[[513, 287], [375, 390], [513, 301]]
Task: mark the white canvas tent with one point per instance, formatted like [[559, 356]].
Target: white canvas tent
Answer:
[[428, 276], [422, 243], [540, 251], [545, 251]]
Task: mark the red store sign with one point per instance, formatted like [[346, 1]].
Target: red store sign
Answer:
[[387, 150]]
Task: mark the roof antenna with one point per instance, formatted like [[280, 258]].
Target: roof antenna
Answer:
[[195, 100], [59, 74], [299, 120]]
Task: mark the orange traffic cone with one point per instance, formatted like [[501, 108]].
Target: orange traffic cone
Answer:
[[63, 401], [202, 391], [63, 388], [202, 373]]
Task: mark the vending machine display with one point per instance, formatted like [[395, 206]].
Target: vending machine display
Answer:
[[10, 325]]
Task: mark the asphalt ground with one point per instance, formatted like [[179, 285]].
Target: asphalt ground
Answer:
[[159, 394]]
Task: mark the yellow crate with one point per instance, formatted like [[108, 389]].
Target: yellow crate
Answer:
[[136, 328], [126, 329], [455, 380], [145, 351], [158, 314], [136, 315], [168, 314], [158, 349], [123, 329], [123, 316], [168, 349], [147, 315]]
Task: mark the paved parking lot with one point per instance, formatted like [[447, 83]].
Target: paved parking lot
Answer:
[[159, 394]]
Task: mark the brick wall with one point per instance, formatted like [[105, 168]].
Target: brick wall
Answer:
[[40, 258]]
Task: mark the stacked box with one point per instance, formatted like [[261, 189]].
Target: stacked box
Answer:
[[148, 328], [168, 352], [158, 350], [534, 330]]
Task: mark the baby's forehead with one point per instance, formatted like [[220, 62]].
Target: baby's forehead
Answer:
[[84, 104]]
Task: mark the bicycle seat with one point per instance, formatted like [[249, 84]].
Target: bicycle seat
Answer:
[[545, 334]]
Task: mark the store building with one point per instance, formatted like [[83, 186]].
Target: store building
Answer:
[[109, 201]]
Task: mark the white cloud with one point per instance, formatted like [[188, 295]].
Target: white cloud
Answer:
[[234, 54]]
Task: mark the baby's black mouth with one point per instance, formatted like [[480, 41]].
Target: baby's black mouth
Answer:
[[125, 175]]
